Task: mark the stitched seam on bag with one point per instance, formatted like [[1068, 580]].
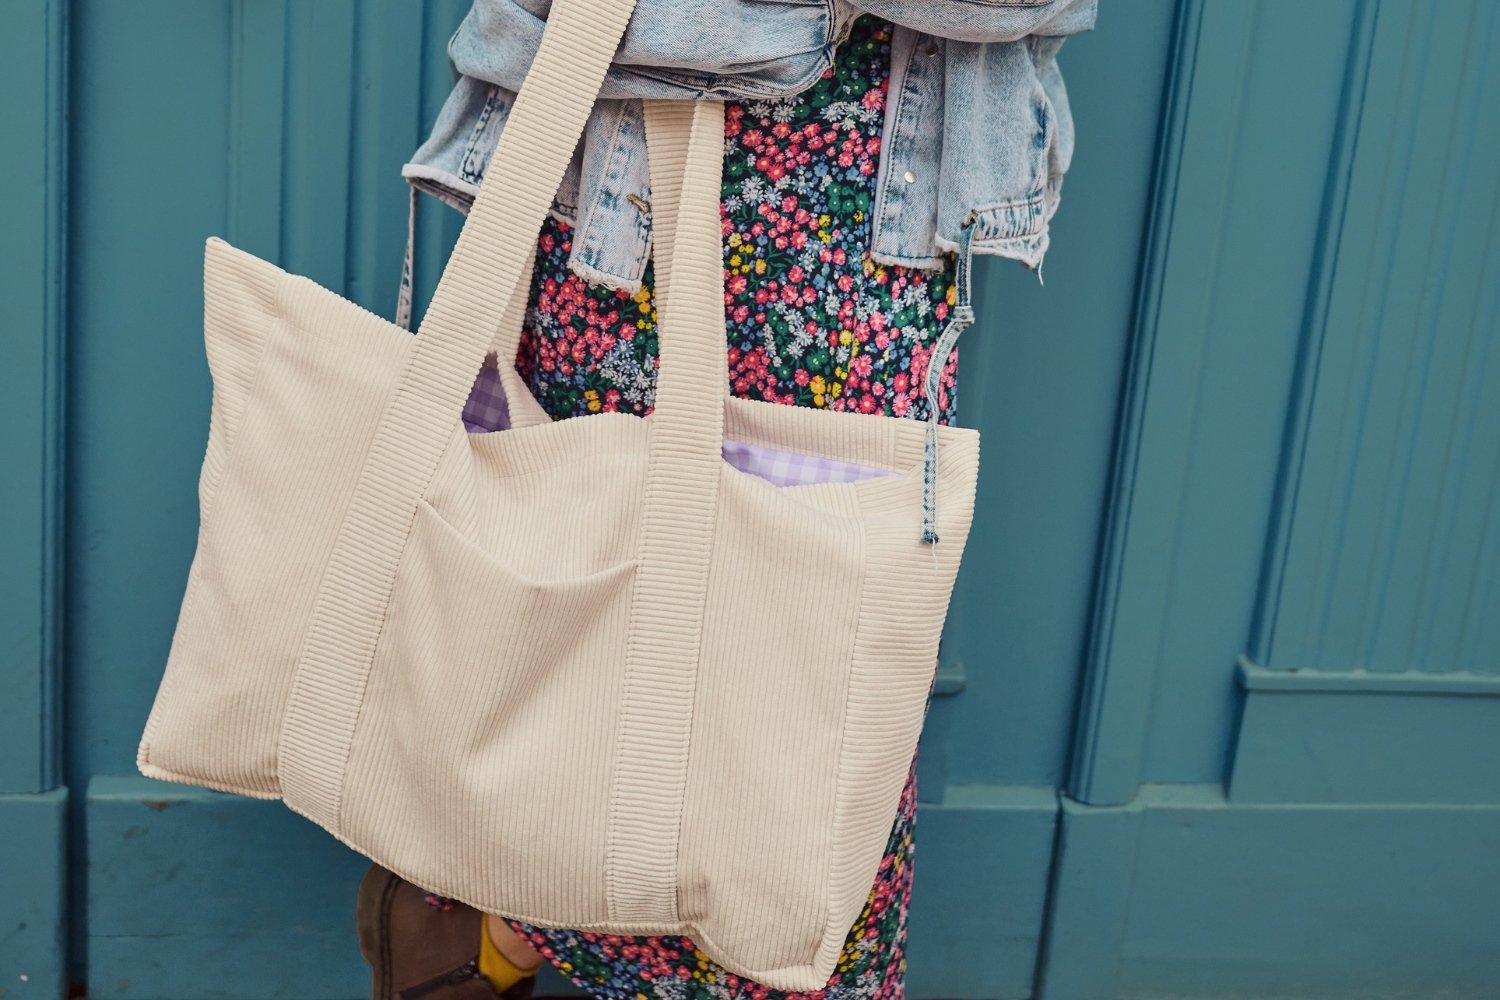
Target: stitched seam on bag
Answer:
[[368, 667], [385, 615], [833, 824]]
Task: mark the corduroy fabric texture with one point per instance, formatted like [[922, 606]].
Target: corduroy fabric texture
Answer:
[[356, 541]]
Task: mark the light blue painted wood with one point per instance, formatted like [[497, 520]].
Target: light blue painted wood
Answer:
[[148, 186], [1041, 380], [1105, 762], [317, 158], [196, 894], [33, 803], [1246, 162], [1089, 899], [935, 751], [976, 925], [1391, 516], [1181, 894], [33, 915], [1254, 677], [387, 111], [1366, 737], [32, 163], [257, 68]]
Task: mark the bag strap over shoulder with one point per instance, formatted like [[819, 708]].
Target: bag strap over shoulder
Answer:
[[482, 275], [542, 130]]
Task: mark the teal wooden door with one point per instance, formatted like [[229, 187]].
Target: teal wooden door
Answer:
[[1218, 709]]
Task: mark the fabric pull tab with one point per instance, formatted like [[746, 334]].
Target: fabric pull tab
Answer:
[[961, 319], [404, 296]]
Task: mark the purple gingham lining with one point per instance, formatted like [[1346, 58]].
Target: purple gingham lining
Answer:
[[793, 468], [486, 411]]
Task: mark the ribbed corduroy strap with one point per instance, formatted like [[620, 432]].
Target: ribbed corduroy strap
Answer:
[[482, 274], [685, 148]]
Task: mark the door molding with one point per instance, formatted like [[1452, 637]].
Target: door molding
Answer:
[[33, 800]]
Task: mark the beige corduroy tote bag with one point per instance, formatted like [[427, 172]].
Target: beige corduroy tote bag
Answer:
[[404, 629]]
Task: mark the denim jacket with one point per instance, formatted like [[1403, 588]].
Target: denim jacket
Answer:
[[977, 129]]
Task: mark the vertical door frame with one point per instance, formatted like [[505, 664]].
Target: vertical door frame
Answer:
[[1110, 736], [33, 797]]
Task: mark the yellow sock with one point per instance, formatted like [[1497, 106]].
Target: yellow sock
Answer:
[[495, 967]]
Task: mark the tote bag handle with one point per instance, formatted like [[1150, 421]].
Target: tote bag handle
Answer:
[[494, 249]]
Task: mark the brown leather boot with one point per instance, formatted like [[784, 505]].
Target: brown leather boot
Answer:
[[417, 950]]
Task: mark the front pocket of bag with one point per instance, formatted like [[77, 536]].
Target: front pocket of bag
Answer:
[[488, 690], [468, 640], [462, 621], [446, 557]]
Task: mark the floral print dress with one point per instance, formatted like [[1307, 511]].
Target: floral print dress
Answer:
[[809, 322]]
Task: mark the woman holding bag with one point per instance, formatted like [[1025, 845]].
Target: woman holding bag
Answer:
[[870, 149]]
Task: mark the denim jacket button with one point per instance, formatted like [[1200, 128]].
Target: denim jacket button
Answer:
[[910, 177], [931, 49]]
